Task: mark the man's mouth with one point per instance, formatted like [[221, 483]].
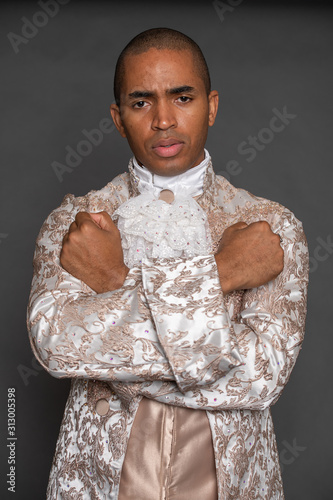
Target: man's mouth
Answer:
[[167, 147]]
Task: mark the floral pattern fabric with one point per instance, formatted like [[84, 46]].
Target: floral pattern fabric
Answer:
[[171, 335]]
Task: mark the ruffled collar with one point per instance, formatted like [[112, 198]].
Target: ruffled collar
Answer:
[[154, 228]]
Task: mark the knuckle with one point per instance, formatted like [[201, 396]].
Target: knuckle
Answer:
[[235, 227], [78, 217], [263, 225], [85, 226], [227, 231], [72, 238]]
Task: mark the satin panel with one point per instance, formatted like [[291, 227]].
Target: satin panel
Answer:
[[169, 455]]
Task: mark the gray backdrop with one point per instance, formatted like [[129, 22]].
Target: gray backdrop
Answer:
[[56, 83]]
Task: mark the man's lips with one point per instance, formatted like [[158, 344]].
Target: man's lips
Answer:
[[167, 147]]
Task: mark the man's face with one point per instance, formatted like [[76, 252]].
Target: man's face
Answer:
[[164, 110]]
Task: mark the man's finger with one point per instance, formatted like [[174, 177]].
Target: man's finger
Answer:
[[65, 239], [237, 226], [103, 220], [72, 227], [261, 225], [82, 217], [240, 225]]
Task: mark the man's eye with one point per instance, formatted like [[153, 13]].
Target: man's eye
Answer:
[[184, 98], [139, 104]]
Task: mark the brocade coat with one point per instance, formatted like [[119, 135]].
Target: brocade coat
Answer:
[[171, 335]]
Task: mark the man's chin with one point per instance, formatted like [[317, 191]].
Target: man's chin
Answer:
[[168, 170], [169, 166]]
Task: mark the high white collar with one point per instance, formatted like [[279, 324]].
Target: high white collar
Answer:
[[190, 183]]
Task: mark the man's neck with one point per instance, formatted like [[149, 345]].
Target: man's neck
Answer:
[[188, 183]]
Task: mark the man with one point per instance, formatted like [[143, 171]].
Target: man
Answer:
[[167, 293]]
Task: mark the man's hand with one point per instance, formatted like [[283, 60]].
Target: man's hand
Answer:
[[91, 251], [248, 256]]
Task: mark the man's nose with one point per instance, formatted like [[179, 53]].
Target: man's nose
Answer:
[[164, 116]]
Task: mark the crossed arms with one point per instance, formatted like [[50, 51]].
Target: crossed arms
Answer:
[[166, 328]]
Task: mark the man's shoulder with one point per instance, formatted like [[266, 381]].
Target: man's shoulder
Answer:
[[233, 198], [243, 205], [107, 198], [110, 196]]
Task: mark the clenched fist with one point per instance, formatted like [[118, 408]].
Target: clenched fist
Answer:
[[91, 251], [248, 256]]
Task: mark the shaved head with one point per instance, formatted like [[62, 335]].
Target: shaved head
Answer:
[[160, 38]]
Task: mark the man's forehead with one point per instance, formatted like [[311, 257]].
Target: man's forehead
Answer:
[[156, 53], [157, 70]]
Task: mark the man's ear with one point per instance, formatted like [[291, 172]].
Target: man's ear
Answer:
[[115, 113], [213, 102]]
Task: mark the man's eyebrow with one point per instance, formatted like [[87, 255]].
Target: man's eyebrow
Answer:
[[181, 90], [139, 94]]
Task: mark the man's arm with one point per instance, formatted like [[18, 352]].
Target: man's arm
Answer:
[[248, 256], [112, 336], [268, 332], [76, 332], [86, 321]]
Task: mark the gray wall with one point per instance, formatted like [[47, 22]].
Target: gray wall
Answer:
[[262, 56]]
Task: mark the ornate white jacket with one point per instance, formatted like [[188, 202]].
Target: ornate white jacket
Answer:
[[171, 335]]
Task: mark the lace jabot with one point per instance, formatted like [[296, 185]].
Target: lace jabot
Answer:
[[153, 227]]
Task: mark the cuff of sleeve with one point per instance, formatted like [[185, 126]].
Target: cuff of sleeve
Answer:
[[192, 323]]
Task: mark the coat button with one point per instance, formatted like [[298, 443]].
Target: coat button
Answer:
[[167, 195], [102, 407]]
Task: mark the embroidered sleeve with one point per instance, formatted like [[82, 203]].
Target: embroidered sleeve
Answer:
[[200, 338], [75, 332], [193, 327]]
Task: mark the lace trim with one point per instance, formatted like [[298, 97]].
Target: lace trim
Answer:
[[153, 228]]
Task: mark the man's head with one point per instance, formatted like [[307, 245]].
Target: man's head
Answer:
[[161, 39], [164, 104]]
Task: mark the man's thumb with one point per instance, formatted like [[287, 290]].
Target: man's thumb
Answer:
[[103, 220]]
